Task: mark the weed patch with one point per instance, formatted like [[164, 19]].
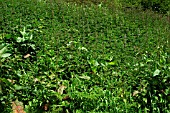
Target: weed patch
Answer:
[[64, 57]]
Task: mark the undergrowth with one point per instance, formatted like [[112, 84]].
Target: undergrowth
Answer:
[[74, 58]]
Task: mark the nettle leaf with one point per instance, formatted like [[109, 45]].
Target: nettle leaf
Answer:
[[17, 87], [3, 48], [113, 63], [156, 72]]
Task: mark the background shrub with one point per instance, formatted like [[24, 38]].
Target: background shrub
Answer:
[[162, 6]]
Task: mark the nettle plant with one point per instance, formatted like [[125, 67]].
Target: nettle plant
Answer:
[[25, 42], [26, 39], [4, 53]]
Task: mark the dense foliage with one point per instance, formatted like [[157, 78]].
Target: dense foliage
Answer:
[[161, 6], [67, 57]]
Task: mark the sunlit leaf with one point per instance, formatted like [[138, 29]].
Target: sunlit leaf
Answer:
[[3, 48], [19, 39], [82, 48], [31, 37], [112, 63], [85, 77], [96, 63], [61, 70], [135, 93], [5, 55], [40, 27], [145, 100], [156, 72], [17, 87]]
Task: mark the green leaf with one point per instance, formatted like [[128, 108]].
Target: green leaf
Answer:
[[156, 72], [19, 39], [145, 100], [17, 87], [113, 63], [96, 63], [94, 69], [23, 32], [5, 55], [8, 36], [61, 70], [3, 48], [85, 77]]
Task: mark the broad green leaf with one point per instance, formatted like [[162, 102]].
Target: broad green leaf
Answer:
[[5, 55], [8, 36], [2, 49], [156, 72], [145, 100], [19, 39], [113, 63], [17, 87], [96, 63]]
